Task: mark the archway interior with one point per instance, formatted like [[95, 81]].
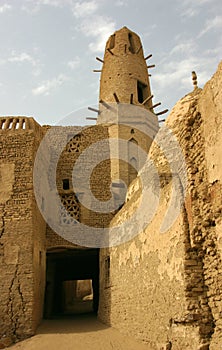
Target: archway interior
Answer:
[[72, 282]]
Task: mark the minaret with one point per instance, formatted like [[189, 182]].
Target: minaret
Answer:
[[124, 75], [126, 103]]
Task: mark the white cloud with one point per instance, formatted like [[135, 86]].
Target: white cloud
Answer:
[[33, 6], [211, 24], [185, 47], [192, 8], [99, 28], [5, 8], [22, 57], [178, 72], [85, 8], [74, 63], [47, 86]]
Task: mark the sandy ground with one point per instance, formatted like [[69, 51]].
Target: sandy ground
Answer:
[[82, 332]]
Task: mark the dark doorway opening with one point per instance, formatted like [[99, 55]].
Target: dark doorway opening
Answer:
[[72, 282], [142, 91]]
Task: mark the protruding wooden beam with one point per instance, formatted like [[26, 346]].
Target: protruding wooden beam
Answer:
[[156, 105], [151, 66], [94, 110], [89, 118], [116, 97], [105, 104], [131, 99], [110, 52], [139, 49], [99, 59], [147, 57], [147, 99], [97, 70], [149, 75], [162, 112], [162, 120]]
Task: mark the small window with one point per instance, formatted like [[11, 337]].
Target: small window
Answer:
[[132, 45], [65, 184], [112, 42], [142, 91]]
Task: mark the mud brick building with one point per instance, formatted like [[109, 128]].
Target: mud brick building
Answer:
[[162, 288]]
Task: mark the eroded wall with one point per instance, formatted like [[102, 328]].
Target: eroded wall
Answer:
[[20, 226], [166, 288]]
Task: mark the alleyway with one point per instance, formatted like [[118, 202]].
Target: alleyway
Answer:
[[83, 332]]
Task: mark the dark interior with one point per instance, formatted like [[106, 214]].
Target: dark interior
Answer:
[[69, 265]]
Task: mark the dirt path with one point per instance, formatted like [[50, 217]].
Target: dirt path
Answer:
[[80, 333]]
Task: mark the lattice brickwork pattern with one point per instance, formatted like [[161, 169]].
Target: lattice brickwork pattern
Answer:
[[74, 145], [70, 209]]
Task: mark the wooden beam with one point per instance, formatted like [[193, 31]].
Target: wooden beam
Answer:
[[105, 104], [99, 59], [89, 118], [147, 57], [156, 105], [147, 99], [162, 112], [151, 66], [110, 52], [139, 49], [116, 97], [94, 110], [162, 120], [97, 70]]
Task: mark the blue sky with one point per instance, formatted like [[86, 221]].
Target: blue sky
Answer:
[[48, 50]]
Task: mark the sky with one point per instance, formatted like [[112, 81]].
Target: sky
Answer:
[[48, 50]]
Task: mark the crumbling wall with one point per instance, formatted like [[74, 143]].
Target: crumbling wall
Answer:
[[19, 227], [166, 288], [210, 200]]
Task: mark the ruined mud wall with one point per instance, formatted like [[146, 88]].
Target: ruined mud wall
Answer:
[[19, 230], [166, 288]]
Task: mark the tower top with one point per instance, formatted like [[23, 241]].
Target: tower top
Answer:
[[124, 75]]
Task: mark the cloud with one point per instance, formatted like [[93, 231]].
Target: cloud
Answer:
[[211, 24], [74, 63], [178, 72], [5, 8], [186, 47], [84, 9], [22, 57], [99, 28], [47, 86], [34, 6], [192, 8]]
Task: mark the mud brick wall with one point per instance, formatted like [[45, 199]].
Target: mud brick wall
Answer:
[[166, 288], [19, 278], [99, 178]]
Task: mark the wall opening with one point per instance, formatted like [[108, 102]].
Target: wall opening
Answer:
[[112, 42], [142, 91], [72, 282], [65, 184], [132, 48], [132, 159]]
